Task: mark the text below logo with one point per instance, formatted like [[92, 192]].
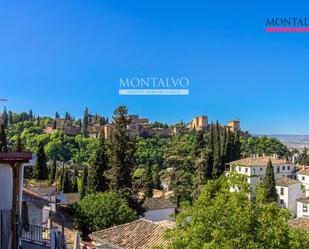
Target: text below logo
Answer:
[[154, 86]]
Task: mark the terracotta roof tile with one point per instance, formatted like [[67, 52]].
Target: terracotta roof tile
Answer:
[[33, 195], [158, 203], [301, 222], [139, 234], [258, 161], [304, 199], [285, 181], [303, 171]]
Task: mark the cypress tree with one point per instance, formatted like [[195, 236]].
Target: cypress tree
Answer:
[[3, 145], [10, 118], [74, 185], [97, 181], [53, 170], [148, 185], [199, 142], [54, 124], [61, 178], [211, 146], [40, 171], [66, 182], [270, 183], [236, 146], [18, 146], [30, 114], [84, 183], [57, 115], [5, 117], [122, 149], [224, 146], [229, 146], [85, 123], [217, 159], [38, 121]]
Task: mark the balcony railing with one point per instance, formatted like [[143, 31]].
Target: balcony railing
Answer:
[[35, 234]]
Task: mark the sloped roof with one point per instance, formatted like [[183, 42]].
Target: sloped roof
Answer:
[[303, 171], [285, 181], [158, 203], [304, 199], [44, 190], [258, 161], [139, 234], [300, 222], [33, 195]]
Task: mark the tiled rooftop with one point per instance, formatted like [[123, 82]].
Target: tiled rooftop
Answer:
[[158, 203], [304, 199], [139, 234], [257, 161], [303, 171], [285, 181], [301, 223]]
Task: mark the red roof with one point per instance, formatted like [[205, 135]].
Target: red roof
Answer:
[[15, 156], [34, 195]]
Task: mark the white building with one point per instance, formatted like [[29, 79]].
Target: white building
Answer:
[[303, 207], [288, 190], [35, 208], [254, 167], [302, 175]]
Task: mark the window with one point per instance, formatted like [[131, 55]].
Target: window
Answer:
[[278, 169], [281, 201], [303, 178], [261, 169], [239, 169], [289, 167], [305, 208], [281, 191], [283, 167], [246, 170]]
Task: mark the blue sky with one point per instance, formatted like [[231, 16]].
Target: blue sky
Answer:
[[65, 55]]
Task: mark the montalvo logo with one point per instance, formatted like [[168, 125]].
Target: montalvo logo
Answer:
[[154, 86], [287, 24]]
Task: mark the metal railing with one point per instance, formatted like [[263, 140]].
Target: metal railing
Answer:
[[35, 234]]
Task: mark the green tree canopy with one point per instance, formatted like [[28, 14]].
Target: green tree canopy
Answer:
[[224, 219], [100, 211]]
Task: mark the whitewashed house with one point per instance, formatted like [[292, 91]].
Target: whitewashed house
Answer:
[[303, 207], [35, 209], [159, 209], [255, 166], [302, 175], [288, 190]]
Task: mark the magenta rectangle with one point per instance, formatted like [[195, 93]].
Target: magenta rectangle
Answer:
[[287, 29]]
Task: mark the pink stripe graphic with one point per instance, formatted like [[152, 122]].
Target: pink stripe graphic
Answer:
[[287, 29]]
